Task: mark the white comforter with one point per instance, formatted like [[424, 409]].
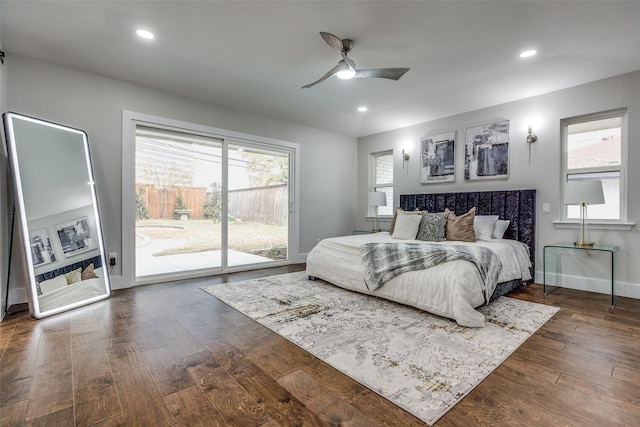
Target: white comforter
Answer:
[[452, 289], [72, 294]]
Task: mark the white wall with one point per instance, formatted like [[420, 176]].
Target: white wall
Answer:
[[95, 103], [540, 169]]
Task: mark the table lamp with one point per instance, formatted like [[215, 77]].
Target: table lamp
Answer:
[[377, 198], [583, 193]]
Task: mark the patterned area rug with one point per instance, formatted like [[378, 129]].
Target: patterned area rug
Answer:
[[421, 362]]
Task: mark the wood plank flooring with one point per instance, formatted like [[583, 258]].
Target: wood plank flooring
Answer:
[[171, 355]]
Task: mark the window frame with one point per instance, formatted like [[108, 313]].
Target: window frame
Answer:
[[373, 186], [129, 121], [620, 169]]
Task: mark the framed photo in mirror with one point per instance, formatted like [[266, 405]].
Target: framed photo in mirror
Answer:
[[41, 249], [75, 236]]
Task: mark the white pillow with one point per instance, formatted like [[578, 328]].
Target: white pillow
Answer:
[[483, 226], [500, 228], [406, 227], [51, 285], [98, 272], [73, 276]]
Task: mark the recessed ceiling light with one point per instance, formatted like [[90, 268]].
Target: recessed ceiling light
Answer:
[[528, 53], [145, 34], [362, 109]]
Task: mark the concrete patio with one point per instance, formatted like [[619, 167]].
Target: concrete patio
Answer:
[[147, 264]]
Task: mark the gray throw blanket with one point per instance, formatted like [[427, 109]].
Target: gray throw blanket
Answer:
[[384, 261]]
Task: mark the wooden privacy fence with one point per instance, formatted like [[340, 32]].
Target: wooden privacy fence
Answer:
[[156, 198], [268, 205]]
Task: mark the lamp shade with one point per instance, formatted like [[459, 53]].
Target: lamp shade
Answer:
[[377, 198], [587, 192]]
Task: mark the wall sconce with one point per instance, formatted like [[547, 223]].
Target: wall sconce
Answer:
[[405, 158], [531, 137]]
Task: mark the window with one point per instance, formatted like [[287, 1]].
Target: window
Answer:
[[594, 148], [382, 180]]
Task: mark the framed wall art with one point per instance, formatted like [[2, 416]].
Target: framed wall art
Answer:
[[41, 251], [486, 151], [75, 236], [437, 158]]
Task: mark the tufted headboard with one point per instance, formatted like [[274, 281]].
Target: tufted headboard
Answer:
[[518, 206], [96, 261]]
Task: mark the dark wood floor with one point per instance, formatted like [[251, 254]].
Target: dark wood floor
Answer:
[[169, 354]]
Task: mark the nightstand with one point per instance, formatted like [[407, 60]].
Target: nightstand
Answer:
[[356, 232], [557, 247]]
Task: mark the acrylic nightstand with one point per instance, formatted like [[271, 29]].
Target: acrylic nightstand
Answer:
[[556, 247]]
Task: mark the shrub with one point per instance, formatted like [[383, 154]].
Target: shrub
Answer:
[[141, 206], [213, 206], [180, 206]]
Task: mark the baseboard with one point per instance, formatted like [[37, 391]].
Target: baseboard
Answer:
[[116, 282], [630, 290], [119, 282], [18, 296], [622, 289]]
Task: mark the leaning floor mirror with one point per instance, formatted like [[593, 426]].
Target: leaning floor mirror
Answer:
[[57, 219]]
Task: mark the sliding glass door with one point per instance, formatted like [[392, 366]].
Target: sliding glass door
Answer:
[[257, 204], [206, 204]]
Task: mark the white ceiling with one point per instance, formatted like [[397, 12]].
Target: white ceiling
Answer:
[[254, 56]]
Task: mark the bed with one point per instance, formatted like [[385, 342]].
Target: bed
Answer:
[[73, 283], [453, 289]]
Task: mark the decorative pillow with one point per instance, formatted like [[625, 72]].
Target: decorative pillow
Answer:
[[73, 276], [483, 226], [500, 228], [98, 272], [432, 227], [51, 285], [406, 227], [461, 227], [88, 273], [393, 220], [400, 211]]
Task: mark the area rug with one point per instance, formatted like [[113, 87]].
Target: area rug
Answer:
[[421, 362]]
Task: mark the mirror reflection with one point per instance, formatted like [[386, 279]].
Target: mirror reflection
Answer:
[[57, 214]]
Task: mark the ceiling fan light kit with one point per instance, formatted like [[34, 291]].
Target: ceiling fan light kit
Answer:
[[346, 74], [346, 67]]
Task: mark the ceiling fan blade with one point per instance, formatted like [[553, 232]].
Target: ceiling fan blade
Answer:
[[332, 40], [344, 46], [340, 66], [383, 73]]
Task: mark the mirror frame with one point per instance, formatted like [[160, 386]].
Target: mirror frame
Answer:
[[21, 219]]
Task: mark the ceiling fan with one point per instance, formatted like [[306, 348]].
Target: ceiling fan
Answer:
[[346, 68]]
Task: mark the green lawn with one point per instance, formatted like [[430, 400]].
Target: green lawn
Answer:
[[205, 235]]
